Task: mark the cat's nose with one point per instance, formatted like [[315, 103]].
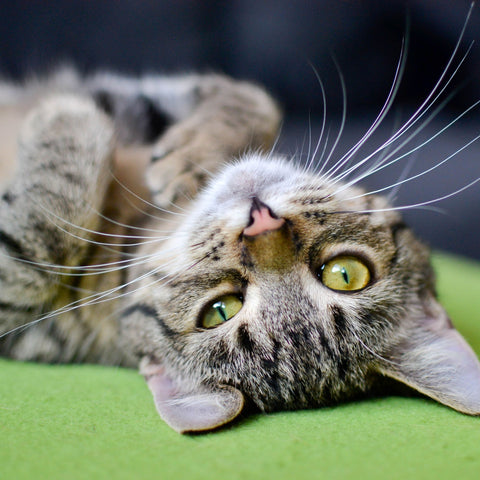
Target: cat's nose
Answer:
[[262, 219], [266, 243]]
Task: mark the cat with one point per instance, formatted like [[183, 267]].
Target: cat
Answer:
[[148, 222]]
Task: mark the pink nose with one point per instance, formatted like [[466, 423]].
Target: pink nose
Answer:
[[262, 220]]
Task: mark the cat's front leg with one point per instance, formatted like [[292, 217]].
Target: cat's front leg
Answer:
[[227, 119], [50, 209]]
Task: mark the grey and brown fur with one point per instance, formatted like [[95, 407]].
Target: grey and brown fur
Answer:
[[109, 254], [75, 166]]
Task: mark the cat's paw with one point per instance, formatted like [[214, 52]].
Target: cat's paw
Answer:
[[179, 176], [65, 129], [181, 163]]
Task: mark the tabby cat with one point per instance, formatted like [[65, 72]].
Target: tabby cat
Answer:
[[277, 286]]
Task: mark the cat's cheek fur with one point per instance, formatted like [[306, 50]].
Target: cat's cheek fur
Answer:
[[437, 361], [202, 409]]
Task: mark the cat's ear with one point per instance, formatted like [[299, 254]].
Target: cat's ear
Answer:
[[204, 409], [436, 360]]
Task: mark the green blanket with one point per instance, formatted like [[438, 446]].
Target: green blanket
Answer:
[[69, 422]]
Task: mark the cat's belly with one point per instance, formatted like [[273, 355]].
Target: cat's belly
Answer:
[[82, 323]]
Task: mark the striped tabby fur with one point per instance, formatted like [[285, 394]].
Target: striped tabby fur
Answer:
[[109, 255]]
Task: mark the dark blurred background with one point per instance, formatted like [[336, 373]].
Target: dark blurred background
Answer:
[[280, 43]]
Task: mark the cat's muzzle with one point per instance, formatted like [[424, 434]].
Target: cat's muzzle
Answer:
[[267, 240]]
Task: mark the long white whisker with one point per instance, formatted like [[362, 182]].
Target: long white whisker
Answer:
[[375, 354], [403, 176], [128, 226], [344, 112], [424, 172], [397, 136], [417, 205], [386, 163], [381, 115], [146, 202], [422, 110], [94, 269], [99, 297], [143, 212], [145, 239], [311, 158], [64, 221]]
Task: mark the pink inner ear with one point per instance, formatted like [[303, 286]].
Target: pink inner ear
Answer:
[[437, 361], [459, 371], [161, 386], [191, 411]]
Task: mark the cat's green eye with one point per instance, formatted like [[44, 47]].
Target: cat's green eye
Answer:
[[221, 310], [345, 273]]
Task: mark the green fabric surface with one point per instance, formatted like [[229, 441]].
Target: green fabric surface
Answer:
[[76, 422]]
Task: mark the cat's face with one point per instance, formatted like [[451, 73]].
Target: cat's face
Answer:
[[290, 288]]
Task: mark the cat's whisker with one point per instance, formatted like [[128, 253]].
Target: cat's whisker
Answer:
[[391, 197], [96, 298], [208, 172], [312, 158], [387, 161], [415, 205], [178, 207], [426, 105], [387, 151], [381, 163], [169, 277], [380, 117], [299, 155], [147, 213], [271, 151], [368, 349], [344, 113], [51, 214], [143, 239], [97, 268], [418, 175], [322, 155], [146, 202], [91, 300], [130, 226], [159, 268], [309, 144], [185, 195], [85, 270]]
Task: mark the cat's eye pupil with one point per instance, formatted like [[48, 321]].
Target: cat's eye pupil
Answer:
[[221, 310], [345, 273]]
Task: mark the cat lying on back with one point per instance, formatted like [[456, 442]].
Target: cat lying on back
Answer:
[[277, 284]]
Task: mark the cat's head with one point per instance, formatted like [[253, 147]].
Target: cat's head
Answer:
[[291, 290]]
